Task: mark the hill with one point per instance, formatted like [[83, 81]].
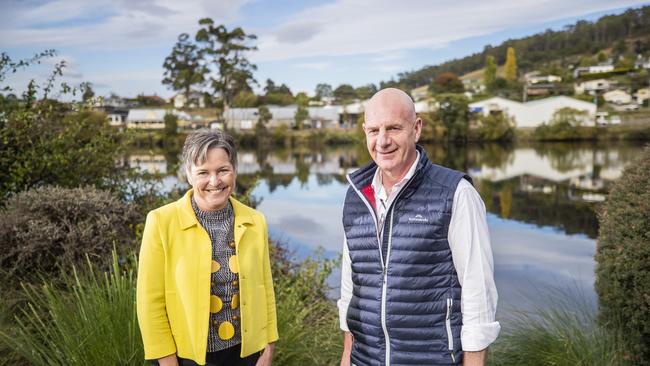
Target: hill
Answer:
[[623, 33]]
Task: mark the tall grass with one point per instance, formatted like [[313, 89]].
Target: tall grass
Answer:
[[566, 334], [86, 319]]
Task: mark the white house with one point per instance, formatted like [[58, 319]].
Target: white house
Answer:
[[589, 86], [115, 119], [535, 113], [146, 118], [617, 97], [543, 79], [592, 70], [195, 100], [420, 93]]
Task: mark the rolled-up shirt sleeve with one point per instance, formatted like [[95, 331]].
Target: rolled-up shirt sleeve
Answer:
[[469, 239], [346, 287]]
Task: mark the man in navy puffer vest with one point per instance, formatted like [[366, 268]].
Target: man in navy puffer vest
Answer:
[[417, 284]]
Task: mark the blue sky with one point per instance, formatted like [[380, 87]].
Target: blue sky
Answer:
[[120, 45]]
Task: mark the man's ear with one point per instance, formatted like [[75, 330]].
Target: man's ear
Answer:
[[418, 128]]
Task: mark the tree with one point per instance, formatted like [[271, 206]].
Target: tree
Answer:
[[510, 68], [489, 73], [277, 95], [323, 91], [244, 99], [366, 91], [345, 93], [263, 117], [302, 99], [226, 52], [447, 82], [454, 114], [88, 92], [171, 125], [184, 67], [301, 115]]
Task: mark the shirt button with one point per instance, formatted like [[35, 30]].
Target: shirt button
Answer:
[[235, 283], [235, 317], [232, 244]]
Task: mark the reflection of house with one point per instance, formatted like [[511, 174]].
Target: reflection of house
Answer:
[[617, 97], [642, 95], [246, 118], [535, 78], [535, 113], [149, 163], [146, 118], [593, 86]]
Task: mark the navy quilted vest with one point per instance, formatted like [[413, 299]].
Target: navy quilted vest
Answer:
[[405, 307]]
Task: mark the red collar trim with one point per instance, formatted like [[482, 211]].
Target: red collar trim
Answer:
[[369, 192]]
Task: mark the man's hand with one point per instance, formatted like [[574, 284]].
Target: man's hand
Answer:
[[475, 358], [347, 348], [170, 360], [267, 355]]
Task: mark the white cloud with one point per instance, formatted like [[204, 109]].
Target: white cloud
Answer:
[[107, 24], [353, 27]]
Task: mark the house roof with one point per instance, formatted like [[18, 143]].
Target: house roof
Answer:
[[146, 115]]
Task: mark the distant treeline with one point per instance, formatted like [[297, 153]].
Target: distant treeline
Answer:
[[629, 31]]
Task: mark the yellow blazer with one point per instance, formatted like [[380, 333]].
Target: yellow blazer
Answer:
[[174, 274]]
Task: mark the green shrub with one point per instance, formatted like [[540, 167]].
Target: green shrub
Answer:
[[307, 320], [566, 124], [50, 227], [623, 254], [496, 127], [88, 319]]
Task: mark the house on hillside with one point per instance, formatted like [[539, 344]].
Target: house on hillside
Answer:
[[419, 93], [146, 118], [617, 97], [536, 78], [598, 69], [535, 113], [593, 86], [195, 100]]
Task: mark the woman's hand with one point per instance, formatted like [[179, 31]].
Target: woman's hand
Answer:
[[170, 360], [267, 355]]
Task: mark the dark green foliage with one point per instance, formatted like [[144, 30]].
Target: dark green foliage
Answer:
[[183, 68], [224, 51], [46, 228], [301, 115], [447, 82], [48, 144], [567, 124], [454, 114], [171, 126], [345, 93], [496, 127], [623, 256]]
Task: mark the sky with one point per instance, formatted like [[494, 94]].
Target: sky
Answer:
[[119, 45]]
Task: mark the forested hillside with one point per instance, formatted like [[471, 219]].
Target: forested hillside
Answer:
[[628, 32]]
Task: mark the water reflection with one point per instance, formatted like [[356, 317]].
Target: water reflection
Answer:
[[542, 202]]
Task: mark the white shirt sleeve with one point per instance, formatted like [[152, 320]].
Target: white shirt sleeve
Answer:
[[346, 287], [469, 240]]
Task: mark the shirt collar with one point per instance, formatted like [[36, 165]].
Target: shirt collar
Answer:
[[378, 187]]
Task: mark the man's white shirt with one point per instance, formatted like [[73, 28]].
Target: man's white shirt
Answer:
[[469, 240]]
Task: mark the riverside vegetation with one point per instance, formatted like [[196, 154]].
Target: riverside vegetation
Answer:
[[67, 301]]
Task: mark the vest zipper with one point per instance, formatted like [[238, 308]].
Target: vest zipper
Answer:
[[383, 292], [450, 337], [374, 217]]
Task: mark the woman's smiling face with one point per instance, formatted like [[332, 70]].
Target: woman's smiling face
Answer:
[[213, 181]]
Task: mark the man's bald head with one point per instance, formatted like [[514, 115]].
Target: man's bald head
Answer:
[[393, 101]]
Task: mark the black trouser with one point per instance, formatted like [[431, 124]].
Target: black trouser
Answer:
[[226, 357]]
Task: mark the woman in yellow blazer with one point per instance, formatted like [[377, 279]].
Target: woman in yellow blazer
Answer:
[[205, 293]]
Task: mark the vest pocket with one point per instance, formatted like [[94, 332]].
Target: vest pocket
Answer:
[[450, 336]]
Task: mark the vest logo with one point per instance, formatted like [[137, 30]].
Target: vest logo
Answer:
[[418, 218]]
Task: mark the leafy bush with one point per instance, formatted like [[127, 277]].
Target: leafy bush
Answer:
[[89, 320], [496, 127], [50, 227], [566, 124], [623, 254]]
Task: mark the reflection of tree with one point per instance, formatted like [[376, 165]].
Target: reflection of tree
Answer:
[[279, 180], [493, 155], [562, 156], [324, 179], [543, 209], [302, 170]]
